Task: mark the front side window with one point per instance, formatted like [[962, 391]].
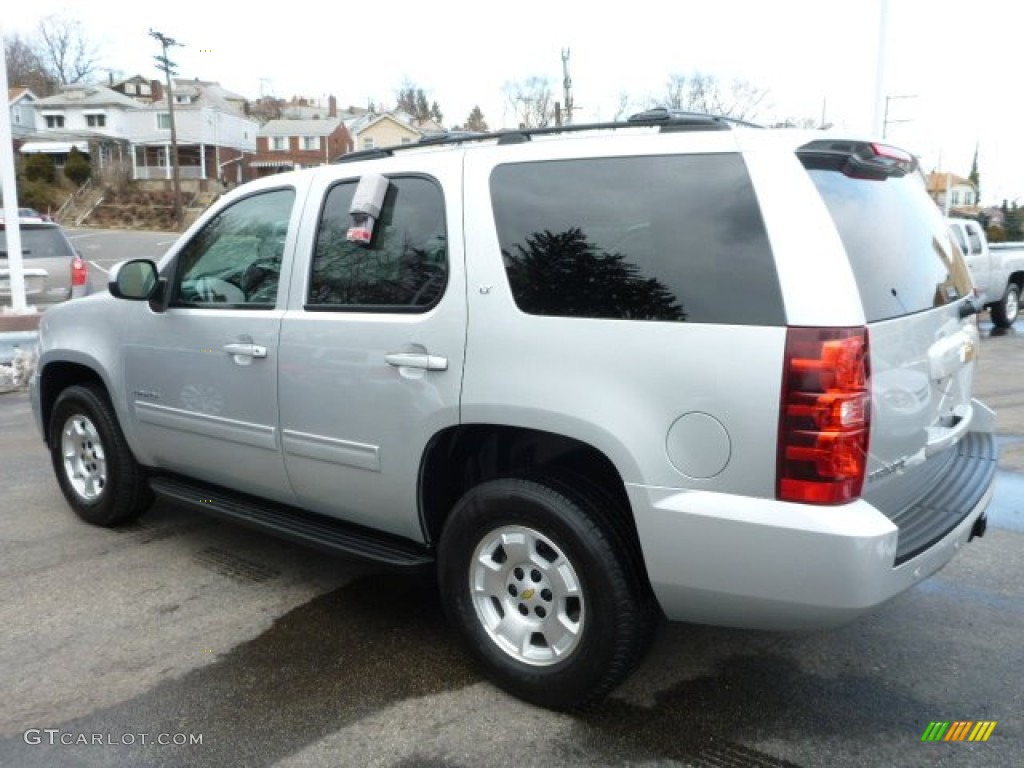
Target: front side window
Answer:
[[311, 142], [279, 143], [405, 266], [54, 121], [674, 238], [235, 260], [96, 121], [163, 121], [367, 142]]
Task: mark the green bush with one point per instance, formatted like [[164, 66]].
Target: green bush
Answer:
[[39, 195], [40, 167], [77, 169]]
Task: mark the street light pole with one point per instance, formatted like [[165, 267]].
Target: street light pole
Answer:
[[166, 66]]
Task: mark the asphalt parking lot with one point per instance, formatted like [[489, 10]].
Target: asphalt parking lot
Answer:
[[237, 649]]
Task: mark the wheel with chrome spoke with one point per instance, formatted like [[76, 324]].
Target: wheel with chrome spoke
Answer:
[[537, 580], [85, 461], [527, 595], [94, 466]]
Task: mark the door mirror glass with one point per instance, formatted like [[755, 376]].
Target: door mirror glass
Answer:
[[135, 280]]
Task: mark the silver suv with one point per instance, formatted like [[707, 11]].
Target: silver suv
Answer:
[[593, 375]]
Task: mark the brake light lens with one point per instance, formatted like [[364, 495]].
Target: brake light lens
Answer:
[[825, 415], [79, 271]]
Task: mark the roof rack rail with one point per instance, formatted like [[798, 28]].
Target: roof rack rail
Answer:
[[364, 154], [666, 119]]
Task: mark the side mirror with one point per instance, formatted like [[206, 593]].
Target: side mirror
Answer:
[[137, 280], [134, 280]]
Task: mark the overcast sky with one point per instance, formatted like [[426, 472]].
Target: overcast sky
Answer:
[[956, 62]]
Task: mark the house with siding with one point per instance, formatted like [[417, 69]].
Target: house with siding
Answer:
[[129, 125], [93, 119], [962, 192], [372, 131], [21, 103], [215, 137]]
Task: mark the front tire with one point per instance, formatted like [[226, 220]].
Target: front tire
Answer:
[[95, 468], [1005, 312], [537, 580]]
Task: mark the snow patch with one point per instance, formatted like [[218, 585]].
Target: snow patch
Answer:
[[18, 372]]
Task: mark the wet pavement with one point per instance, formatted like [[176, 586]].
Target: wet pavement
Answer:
[[273, 655]]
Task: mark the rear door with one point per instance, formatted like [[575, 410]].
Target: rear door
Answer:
[[373, 343]]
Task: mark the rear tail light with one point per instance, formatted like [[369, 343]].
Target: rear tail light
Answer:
[[825, 415], [79, 271]]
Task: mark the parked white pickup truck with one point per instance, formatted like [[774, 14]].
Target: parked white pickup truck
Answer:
[[998, 271]]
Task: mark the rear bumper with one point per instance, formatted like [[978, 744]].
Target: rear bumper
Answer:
[[759, 563]]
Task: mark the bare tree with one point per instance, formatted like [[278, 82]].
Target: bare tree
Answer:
[[64, 50], [25, 68], [704, 93], [532, 101], [624, 108]]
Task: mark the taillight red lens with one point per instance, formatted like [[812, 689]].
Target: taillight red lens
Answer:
[[825, 415], [79, 271]]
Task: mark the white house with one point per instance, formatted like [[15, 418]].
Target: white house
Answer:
[[214, 136]]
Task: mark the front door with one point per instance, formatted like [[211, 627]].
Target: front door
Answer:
[[202, 376]]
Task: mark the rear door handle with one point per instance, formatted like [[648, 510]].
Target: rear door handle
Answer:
[[245, 349], [417, 360]]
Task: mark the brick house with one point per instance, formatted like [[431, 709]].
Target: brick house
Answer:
[[285, 145]]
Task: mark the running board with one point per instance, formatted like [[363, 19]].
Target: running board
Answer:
[[298, 525]]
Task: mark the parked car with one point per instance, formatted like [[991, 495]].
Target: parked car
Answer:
[[997, 270], [592, 375], [53, 270], [32, 213]]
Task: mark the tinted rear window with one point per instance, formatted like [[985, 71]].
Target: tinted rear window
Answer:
[[38, 242], [899, 246], [670, 238]]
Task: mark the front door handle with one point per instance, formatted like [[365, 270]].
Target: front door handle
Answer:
[[417, 360], [245, 349]]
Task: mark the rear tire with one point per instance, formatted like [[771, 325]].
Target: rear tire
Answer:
[[1005, 312], [536, 580], [95, 468]]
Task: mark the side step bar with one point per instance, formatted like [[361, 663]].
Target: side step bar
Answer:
[[292, 523]]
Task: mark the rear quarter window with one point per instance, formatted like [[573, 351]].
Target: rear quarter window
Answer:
[[665, 238]]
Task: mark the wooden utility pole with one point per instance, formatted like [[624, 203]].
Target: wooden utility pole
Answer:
[[166, 66]]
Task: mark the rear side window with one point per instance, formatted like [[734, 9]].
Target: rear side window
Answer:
[[669, 238], [403, 269], [39, 243], [899, 246]]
